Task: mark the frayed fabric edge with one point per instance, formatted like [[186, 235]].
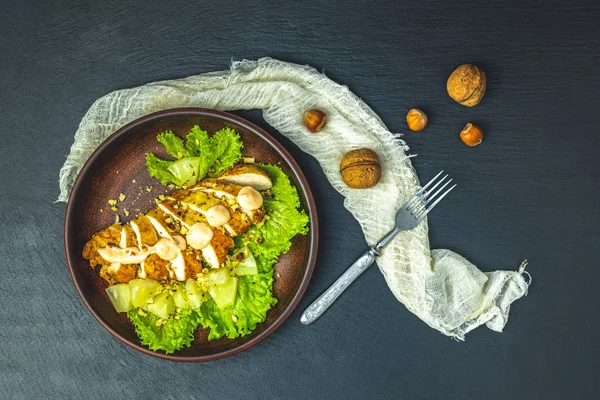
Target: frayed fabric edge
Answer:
[[459, 334]]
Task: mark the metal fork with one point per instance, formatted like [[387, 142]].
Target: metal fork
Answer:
[[409, 216]]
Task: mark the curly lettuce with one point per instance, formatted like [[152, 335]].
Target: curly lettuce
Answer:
[[284, 220], [170, 336], [199, 144], [173, 144], [227, 150], [215, 154], [159, 169]]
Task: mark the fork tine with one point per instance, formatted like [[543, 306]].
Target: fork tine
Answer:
[[420, 217], [426, 195], [416, 196], [421, 207]]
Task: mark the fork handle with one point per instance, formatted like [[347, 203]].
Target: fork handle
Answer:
[[319, 306]]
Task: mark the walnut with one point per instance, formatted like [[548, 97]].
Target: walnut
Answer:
[[360, 169], [466, 85]]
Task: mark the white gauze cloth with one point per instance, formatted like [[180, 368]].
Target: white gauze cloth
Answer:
[[442, 288]]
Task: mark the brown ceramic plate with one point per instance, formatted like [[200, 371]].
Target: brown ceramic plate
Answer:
[[118, 166]]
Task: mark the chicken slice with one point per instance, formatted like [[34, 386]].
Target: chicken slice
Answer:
[[158, 219], [104, 238], [144, 231], [128, 238], [193, 266], [216, 252], [225, 190], [118, 273], [247, 175], [154, 267]]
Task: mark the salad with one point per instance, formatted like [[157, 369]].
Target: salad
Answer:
[[205, 255]]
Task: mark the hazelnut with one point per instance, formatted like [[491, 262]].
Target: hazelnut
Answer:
[[471, 135], [416, 119], [315, 120], [360, 169], [466, 85]]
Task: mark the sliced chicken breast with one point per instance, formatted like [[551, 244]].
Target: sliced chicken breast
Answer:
[[187, 264], [182, 209], [153, 266]]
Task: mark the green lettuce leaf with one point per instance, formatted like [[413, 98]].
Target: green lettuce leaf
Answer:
[[267, 242], [276, 233], [173, 144], [284, 220], [199, 145], [159, 169], [171, 336], [282, 189], [227, 147]]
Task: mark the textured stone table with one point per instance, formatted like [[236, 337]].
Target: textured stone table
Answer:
[[529, 191]]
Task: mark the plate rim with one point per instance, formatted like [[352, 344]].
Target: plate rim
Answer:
[[303, 186]]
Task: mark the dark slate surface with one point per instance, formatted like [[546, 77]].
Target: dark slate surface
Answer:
[[530, 190]]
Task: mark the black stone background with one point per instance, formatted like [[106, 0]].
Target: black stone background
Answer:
[[529, 191]]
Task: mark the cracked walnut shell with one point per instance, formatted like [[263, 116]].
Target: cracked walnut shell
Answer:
[[466, 85], [360, 169]]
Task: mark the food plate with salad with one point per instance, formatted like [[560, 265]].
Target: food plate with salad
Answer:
[[191, 234]]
